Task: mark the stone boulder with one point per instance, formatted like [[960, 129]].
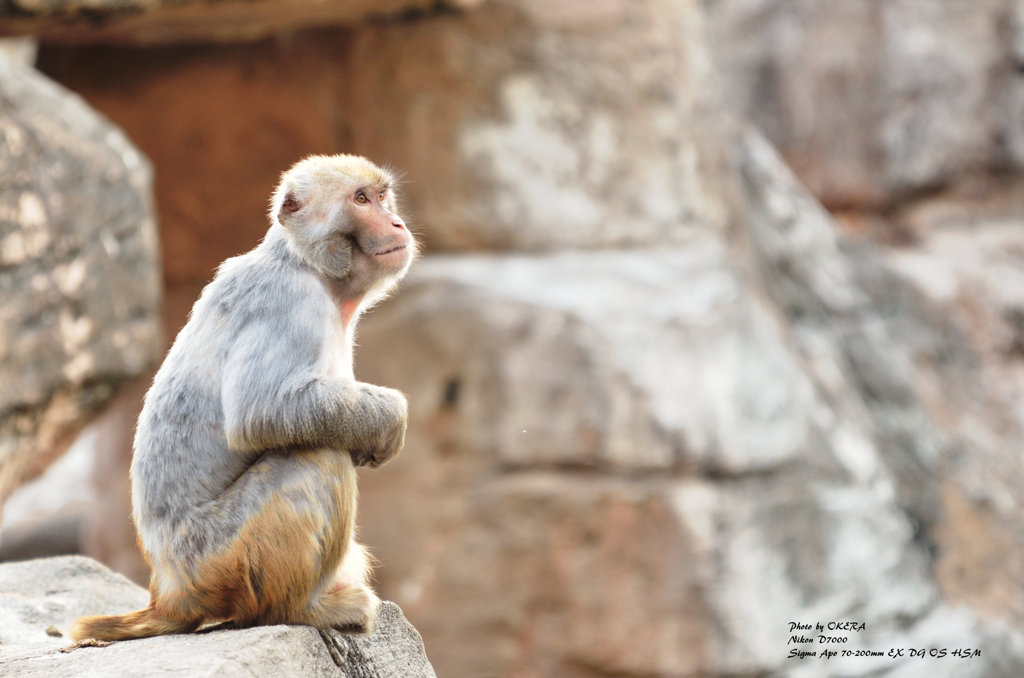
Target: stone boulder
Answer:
[[79, 268], [40, 599]]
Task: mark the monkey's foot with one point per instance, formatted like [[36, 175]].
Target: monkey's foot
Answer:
[[347, 608]]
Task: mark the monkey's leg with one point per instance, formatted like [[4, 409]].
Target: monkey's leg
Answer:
[[288, 520], [348, 590], [348, 603]]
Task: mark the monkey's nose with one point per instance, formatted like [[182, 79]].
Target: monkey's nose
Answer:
[[397, 222]]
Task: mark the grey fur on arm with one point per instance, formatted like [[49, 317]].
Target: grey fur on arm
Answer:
[[304, 407]]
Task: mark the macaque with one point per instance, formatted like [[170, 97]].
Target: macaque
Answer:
[[243, 474]]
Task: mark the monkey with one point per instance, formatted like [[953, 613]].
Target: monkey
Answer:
[[244, 460]]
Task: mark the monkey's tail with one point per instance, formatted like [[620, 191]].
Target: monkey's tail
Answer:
[[139, 624]]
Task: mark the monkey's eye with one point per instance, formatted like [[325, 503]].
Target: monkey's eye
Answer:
[[382, 195], [361, 198]]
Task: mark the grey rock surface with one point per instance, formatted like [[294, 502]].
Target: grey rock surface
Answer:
[[875, 102], [597, 379], [604, 453], [19, 50], [79, 269], [40, 599]]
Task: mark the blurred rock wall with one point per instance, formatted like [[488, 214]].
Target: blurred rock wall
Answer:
[[906, 119], [662, 403], [79, 270], [879, 102]]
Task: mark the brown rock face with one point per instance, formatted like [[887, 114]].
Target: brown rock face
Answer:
[[78, 268], [246, 117]]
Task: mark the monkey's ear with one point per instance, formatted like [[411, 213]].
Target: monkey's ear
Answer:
[[289, 207]]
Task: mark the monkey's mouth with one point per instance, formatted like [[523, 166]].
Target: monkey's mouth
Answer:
[[389, 251]]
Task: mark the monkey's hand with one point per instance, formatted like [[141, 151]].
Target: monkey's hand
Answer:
[[382, 432]]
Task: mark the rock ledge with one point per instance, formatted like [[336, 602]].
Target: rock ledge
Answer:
[[40, 598]]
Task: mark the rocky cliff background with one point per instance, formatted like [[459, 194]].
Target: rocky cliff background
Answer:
[[719, 327]]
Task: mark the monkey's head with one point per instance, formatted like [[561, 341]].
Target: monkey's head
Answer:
[[340, 217]]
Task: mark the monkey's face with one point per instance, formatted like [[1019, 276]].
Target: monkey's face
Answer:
[[341, 217], [379, 243]]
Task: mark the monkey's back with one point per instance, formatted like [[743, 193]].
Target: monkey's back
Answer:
[[181, 459]]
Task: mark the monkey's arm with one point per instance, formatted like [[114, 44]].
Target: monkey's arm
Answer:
[[275, 393]]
